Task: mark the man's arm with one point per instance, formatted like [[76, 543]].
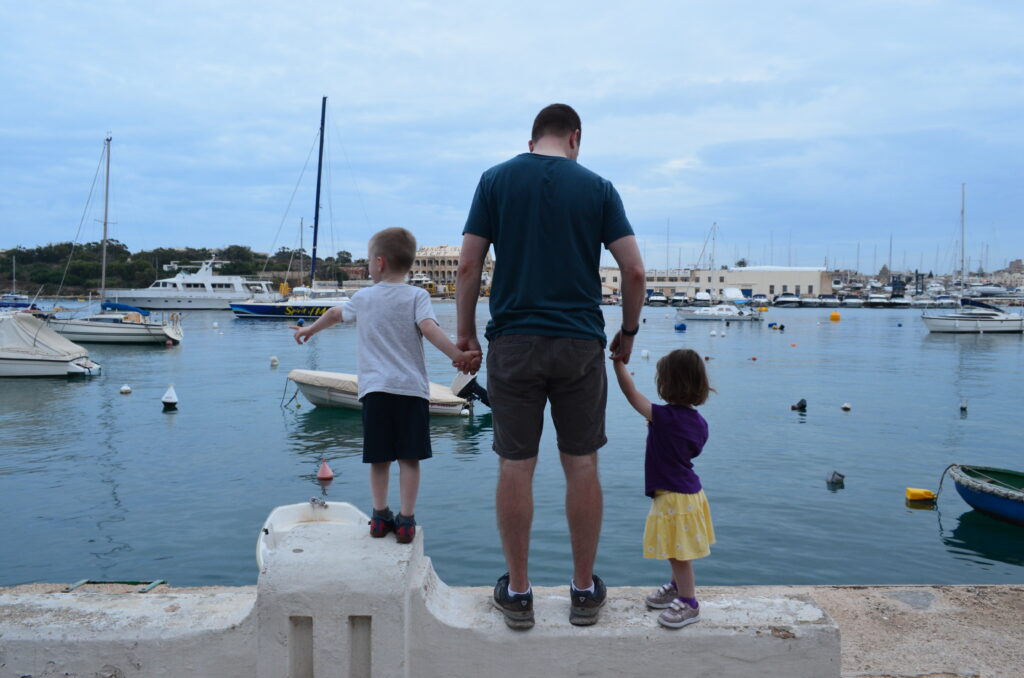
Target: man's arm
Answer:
[[467, 290], [631, 269], [330, 317]]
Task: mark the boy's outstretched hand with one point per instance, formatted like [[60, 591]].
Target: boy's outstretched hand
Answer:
[[302, 334]]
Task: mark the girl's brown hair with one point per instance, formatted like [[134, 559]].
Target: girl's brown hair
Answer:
[[682, 379]]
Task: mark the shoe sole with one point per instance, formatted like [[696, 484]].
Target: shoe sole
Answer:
[[519, 621], [584, 616], [678, 625], [658, 606], [404, 540]]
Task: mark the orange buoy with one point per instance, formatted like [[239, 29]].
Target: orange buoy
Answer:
[[325, 472], [793, 345]]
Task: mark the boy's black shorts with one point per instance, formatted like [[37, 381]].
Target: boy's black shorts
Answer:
[[395, 427]]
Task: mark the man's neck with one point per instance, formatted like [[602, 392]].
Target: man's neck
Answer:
[[554, 147]]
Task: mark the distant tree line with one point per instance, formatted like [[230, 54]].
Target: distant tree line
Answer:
[[40, 269]]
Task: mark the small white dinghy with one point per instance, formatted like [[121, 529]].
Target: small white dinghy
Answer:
[[338, 389], [283, 519]]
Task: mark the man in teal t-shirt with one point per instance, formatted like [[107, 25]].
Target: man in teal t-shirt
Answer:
[[548, 218]]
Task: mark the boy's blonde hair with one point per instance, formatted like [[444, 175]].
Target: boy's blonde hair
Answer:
[[396, 246]]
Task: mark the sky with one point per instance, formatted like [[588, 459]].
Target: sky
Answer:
[[809, 132]]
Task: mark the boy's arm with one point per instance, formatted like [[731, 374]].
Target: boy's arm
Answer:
[[637, 399], [466, 361], [330, 317]]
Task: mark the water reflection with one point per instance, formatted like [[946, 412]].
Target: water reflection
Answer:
[[978, 535], [335, 433]]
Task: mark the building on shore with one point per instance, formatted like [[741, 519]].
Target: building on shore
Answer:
[[750, 280], [440, 265]]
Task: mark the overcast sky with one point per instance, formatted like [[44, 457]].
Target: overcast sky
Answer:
[[802, 128]]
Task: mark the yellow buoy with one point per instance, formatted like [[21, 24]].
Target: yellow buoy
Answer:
[[762, 309], [834, 316], [919, 494]]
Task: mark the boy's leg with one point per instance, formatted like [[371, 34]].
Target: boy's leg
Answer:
[[409, 484], [379, 484], [682, 573]]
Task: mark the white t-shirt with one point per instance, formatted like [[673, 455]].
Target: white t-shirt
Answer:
[[390, 349]]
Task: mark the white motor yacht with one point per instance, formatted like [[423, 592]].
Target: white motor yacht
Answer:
[[701, 299], [975, 317], [944, 301], [787, 300], [28, 348], [810, 302], [657, 299], [760, 300], [852, 301], [877, 301], [718, 312], [829, 300], [680, 299], [201, 290]]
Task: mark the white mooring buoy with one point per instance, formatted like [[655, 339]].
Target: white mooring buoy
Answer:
[[645, 354], [170, 399], [126, 389], [274, 362], [714, 334]]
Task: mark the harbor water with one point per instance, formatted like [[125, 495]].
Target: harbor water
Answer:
[[95, 484]]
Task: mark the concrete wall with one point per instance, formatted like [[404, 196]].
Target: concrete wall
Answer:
[[332, 602]]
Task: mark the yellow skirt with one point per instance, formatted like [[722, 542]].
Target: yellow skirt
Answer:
[[678, 526]]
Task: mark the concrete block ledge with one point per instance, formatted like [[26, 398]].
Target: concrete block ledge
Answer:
[[332, 602]]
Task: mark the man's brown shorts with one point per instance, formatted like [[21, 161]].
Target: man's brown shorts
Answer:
[[525, 371]]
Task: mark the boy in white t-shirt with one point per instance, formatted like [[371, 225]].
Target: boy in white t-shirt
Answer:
[[392, 318]]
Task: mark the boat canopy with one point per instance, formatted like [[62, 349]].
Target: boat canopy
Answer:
[[979, 304], [114, 306], [24, 336]]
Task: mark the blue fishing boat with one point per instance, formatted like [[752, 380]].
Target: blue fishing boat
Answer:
[[994, 491]]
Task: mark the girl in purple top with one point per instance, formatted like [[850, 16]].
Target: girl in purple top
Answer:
[[679, 525]]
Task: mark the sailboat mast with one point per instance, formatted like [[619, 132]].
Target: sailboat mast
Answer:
[[963, 245], [316, 207], [106, 205]]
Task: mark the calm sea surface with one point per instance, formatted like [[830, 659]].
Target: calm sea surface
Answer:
[[94, 484]]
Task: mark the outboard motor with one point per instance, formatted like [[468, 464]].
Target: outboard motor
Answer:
[[466, 386]]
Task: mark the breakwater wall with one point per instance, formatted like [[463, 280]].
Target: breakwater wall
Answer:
[[333, 602]]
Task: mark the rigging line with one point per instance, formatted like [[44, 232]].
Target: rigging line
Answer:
[[355, 180], [290, 200], [81, 221], [330, 203]]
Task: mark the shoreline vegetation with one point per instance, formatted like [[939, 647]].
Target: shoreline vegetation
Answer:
[[39, 270]]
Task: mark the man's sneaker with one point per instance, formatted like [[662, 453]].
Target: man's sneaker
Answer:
[[663, 597], [518, 609], [678, 614], [585, 605], [381, 522], [405, 528]]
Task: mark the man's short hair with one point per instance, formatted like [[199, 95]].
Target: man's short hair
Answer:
[[396, 245], [558, 120]]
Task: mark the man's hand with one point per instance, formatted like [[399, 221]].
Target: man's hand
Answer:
[[621, 347], [471, 344], [302, 334], [468, 362]]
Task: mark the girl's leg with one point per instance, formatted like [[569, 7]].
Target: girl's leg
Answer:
[[682, 573], [379, 484], [409, 484]]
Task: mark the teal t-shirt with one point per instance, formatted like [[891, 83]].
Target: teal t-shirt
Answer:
[[548, 217]]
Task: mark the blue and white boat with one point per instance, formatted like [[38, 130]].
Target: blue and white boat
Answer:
[[994, 491]]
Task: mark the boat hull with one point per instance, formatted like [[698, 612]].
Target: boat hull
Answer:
[[1000, 503], [281, 310], [335, 389], [954, 325], [40, 367], [87, 331]]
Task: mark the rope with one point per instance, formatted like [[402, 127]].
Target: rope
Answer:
[[81, 221], [291, 199], [941, 478], [285, 393]]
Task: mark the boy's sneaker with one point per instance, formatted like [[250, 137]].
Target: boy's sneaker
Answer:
[[678, 614], [518, 609], [405, 528], [586, 605], [663, 597], [381, 522]]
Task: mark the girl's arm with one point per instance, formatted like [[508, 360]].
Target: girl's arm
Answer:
[[637, 399], [330, 317], [466, 361]]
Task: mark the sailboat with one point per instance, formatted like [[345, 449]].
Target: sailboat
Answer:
[[117, 323], [12, 299], [311, 302], [974, 317]]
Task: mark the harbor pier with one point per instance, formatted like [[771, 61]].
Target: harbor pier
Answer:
[[333, 602]]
